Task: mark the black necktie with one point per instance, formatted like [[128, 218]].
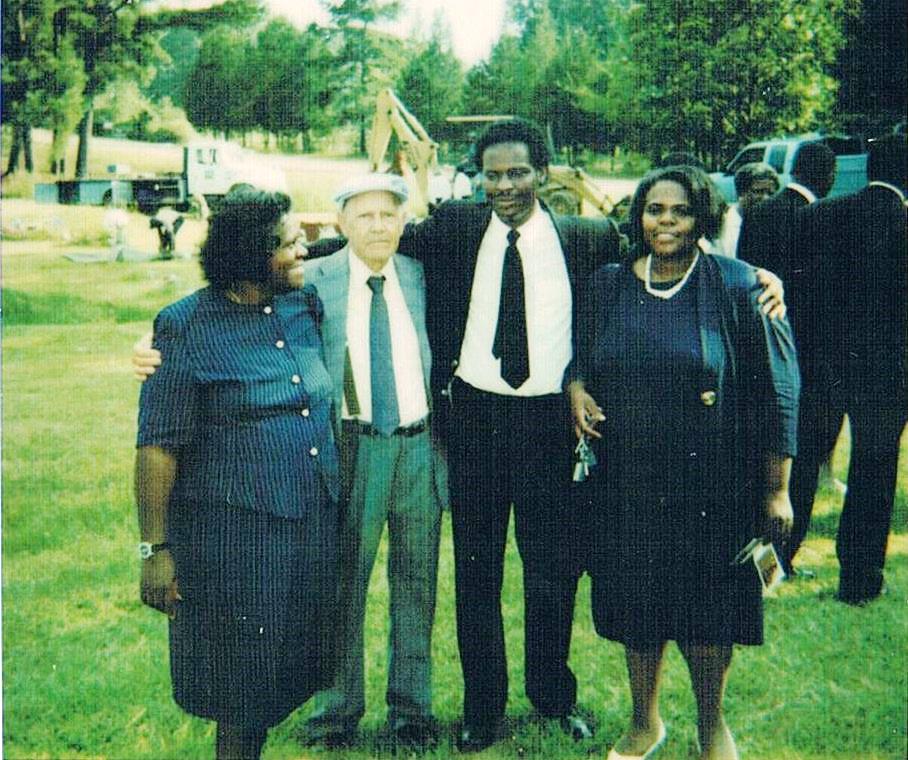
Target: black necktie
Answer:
[[385, 416], [511, 334]]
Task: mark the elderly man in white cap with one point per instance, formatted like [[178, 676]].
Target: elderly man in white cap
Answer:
[[377, 352]]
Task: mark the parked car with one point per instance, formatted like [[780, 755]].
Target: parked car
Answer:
[[779, 153]]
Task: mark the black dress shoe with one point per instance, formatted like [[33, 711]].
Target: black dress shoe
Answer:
[[859, 598], [415, 737], [476, 738], [575, 726]]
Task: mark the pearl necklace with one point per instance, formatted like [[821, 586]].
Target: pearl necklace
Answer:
[[668, 292]]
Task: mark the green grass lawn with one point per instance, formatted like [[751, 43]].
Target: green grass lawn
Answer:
[[85, 671]]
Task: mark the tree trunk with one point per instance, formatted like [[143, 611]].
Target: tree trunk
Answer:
[[56, 152], [22, 145], [84, 136], [27, 148], [14, 150]]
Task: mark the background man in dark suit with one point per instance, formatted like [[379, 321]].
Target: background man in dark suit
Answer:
[[860, 240], [769, 233], [773, 237]]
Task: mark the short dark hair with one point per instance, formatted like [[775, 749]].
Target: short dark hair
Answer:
[[887, 160], [705, 201], [242, 237], [681, 158], [515, 131], [814, 164], [754, 172]]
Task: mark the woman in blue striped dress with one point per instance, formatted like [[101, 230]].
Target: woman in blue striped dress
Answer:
[[237, 478]]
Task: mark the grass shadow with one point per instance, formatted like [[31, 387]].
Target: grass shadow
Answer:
[[63, 309]]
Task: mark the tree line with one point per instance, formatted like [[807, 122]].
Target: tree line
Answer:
[[652, 76]]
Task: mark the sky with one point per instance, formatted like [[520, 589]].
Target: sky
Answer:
[[475, 25]]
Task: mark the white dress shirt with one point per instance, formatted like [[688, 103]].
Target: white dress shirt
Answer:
[[408, 371], [730, 232], [547, 292]]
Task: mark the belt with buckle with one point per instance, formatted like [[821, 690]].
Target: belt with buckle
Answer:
[[366, 428]]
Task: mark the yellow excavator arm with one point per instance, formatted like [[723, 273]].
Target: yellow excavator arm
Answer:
[[418, 155], [580, 185]]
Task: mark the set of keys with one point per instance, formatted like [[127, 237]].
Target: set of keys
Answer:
[[584, 459]]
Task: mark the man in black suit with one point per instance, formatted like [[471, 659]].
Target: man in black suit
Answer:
[[860, 240], [773, 236], [499, 315]]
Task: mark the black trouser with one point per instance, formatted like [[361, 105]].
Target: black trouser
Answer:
[[877, 420], [505, 450], [820, 413], [877, 415]]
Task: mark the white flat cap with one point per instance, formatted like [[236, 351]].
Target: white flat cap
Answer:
[[369, 183]]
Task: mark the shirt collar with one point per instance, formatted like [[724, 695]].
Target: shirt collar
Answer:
[[360, 273], [531, 226], [799, 188], [899, 193]]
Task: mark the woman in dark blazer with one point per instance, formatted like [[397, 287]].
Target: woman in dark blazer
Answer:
[[698, 393], [236, 480]]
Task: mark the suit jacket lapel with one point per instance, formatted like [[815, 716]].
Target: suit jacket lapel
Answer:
[[331, 277], [566, 231]]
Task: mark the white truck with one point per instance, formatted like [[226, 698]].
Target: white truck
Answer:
[[210, 169], [779, 153]]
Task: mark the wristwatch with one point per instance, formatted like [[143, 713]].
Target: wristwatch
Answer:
[[147, 550]]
